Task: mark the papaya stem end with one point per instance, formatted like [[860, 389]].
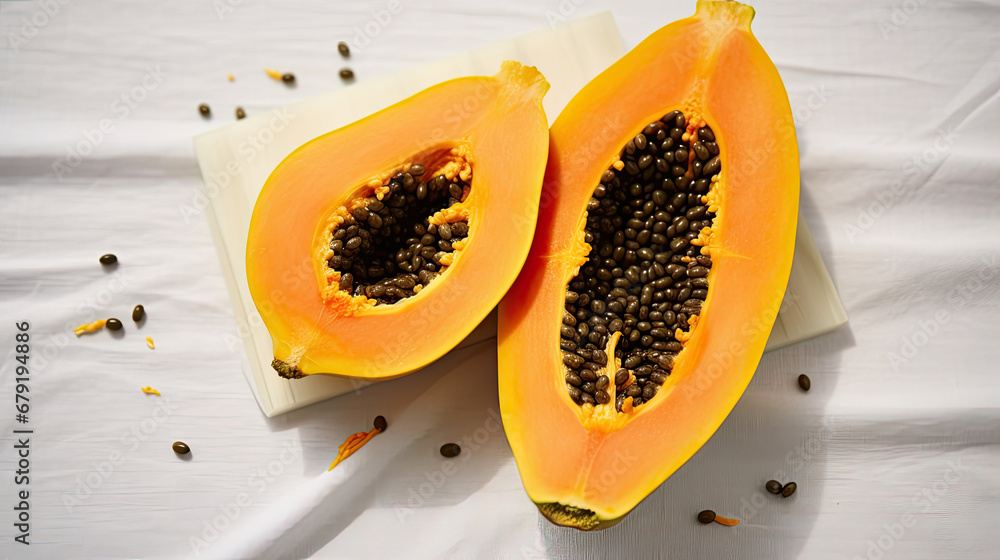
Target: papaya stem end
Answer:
[[287, 371], [577, 518]]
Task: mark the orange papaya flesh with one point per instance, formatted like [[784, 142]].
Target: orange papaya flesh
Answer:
[[592, 434], [376, 248]]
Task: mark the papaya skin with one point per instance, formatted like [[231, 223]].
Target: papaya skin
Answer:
[[494, 124], [588, 466]]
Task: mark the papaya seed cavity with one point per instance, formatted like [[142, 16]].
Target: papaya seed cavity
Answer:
[[399, 233]]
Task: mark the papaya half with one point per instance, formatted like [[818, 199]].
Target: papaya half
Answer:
[[376, 248], [662, 252]]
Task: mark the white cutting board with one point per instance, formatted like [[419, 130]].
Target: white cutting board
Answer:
[[236, 160]]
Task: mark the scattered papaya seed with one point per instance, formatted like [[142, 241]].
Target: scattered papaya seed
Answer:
[[138, 313], [180, 448], [274, 74], [804, 382], [149, 342], [113, 324], [288, 78], [708, 516], [357, 441], [346, 74], [108, 259], [345, 51], [451, 450], [230, 77], [788, 489], [773, 486], [204, 110], [240, 113], [89, 327], [151, 391]]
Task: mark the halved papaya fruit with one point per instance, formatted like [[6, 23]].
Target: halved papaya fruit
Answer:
[[660, 259], [376, 248]]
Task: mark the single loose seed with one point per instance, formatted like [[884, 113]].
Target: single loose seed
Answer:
[[380, 423], [240, 113], [788, 489], [346, 74], [180, 448], [344, 49], [288, 78], [773, 486], [113, 324], [450, 450], [709, 516], [804, 382], [108, 259], [204, 110], [138, 313]]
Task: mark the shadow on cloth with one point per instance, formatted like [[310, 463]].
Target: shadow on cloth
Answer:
[[401, 469]]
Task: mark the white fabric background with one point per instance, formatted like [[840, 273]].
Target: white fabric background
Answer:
[[897, 123]]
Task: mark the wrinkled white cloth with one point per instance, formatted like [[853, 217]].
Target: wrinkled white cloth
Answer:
[[895, 449]]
